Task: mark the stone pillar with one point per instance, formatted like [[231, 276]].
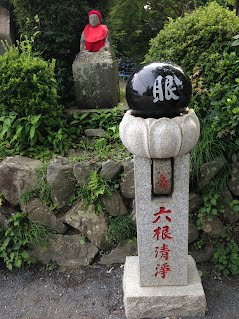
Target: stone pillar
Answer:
[[163, 280]]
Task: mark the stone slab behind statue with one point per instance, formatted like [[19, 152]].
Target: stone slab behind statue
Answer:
[[6, 32], [96, 80]]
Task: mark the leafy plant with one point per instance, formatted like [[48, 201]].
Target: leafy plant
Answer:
[[209, 210], [120, 228], [42, 191], [20, 235], [93, 191], [226, 257]]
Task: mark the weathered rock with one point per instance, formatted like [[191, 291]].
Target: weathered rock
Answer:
[[39, 212], [61, 179], [127, 181], [233, 183], [66, 251], [224, 200], [193, 233], [95, 132], [6, 30], [202, 255], [91, 225], [96, 80], [209, 170], [110, 169], [18, 175], [118, 255], [195, 202], [3, 221], [213, 227], [82, 171], [114, 204]]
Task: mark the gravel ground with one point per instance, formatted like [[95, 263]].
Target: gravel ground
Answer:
[[92, 293]]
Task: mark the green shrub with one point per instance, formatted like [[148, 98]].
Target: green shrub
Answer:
[[27, 82], [120, 228], [20, 235], [196, 38], [226, 257]]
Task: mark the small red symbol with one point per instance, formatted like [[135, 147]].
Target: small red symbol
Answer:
[[161, 212], [163, 182], [164, 252], [162, 270], [166, 233]]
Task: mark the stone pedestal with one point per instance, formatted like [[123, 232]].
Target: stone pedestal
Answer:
[[155, 302], [96, 80]]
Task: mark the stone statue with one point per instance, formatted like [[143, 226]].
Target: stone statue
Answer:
[[95, 69], [95, 35]]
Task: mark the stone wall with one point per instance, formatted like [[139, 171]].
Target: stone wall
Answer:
[[79, 230]]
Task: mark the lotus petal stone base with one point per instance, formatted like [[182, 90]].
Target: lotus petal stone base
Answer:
[[160, 138]]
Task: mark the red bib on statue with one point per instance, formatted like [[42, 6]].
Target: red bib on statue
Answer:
[[95, 37]]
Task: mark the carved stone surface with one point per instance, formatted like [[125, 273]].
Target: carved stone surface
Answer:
[[18, 175], [162, 176], [162, 224], [157, 302], [61, 179], [96, 80], [160, 138]]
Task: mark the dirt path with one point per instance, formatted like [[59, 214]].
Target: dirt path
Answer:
[[91, 293]]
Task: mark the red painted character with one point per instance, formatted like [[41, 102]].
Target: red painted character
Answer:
[[161, 212], [164, 251], [165, 233], [162, 270], [163, 182]]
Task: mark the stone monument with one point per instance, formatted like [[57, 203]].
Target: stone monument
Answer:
[[160, 131], [95, 69], [6, 30]]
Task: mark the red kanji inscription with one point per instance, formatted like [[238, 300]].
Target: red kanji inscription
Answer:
[[166, 233], [162, 211], [164, 251], [163, 182], [162, 270]]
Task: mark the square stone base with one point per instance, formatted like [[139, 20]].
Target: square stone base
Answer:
[[162, 301]]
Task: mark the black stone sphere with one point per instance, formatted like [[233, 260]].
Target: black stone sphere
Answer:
[[159, 89]]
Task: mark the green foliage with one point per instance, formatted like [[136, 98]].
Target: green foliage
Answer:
[[196, 38], [210, 209], [27, 82], [208, 148], [42, 191], [20, 235], [226, 257], [120, 228], [93, 191]]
